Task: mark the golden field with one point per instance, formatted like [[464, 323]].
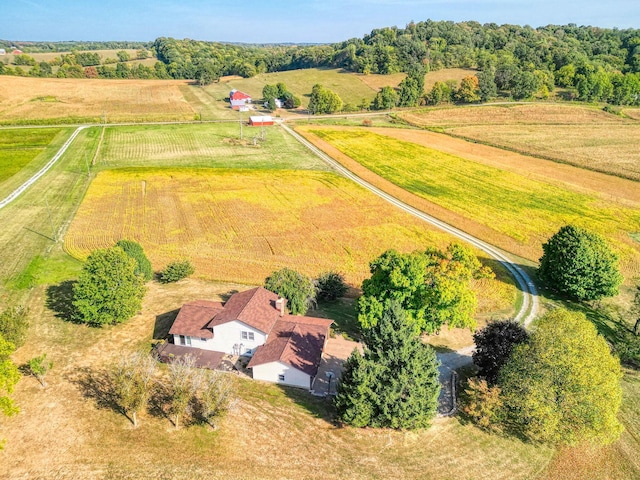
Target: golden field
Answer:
[[507, 207], [240, 226], [24, 100], [577, 135]]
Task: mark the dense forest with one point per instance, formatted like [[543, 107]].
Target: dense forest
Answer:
[[591, 64]]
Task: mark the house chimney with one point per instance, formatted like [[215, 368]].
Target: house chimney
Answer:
[[280, 305]]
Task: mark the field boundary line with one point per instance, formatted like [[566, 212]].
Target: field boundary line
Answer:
[[530, 303], [18, 191]]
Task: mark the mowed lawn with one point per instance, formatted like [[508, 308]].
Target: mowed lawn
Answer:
[[18, 147], [203, 145], [578, 135], [513, 208], [240, 225]]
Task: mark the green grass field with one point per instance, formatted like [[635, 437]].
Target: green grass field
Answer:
[[525, 210], [20, 147], [203, 145]]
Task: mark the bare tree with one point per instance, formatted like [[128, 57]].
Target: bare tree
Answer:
[[183, 382], [216, 396], [133, 379]]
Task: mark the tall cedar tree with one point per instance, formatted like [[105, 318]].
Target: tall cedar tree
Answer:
[[494, 344], [579, 264], [135, 251], [396, 384], [563, 385], [108, 291], [433, 287], [297, 288]]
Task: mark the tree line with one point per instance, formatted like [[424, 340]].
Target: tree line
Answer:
[[595, 64]]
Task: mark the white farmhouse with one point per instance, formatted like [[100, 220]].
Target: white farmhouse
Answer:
[[285, 349]]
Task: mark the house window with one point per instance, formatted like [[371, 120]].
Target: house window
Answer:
[[185, 340], [281, 378], [248, 336]]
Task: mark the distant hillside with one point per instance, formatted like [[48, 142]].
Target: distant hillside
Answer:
[[593, 64]]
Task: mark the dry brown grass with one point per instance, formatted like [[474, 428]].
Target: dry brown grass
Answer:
[[376, 82], [58, 99], [576, 135], [632, 113], [445, 74], [67, 431]]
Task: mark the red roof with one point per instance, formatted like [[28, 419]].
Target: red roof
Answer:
[[255, 307], [193, 318], [296, 341], [238, 95]]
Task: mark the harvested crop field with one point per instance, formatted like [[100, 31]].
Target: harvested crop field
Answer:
[[62, 100], [486, 201], [239, 225], [580, 136]]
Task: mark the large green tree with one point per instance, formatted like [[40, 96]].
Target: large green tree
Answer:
[[297, 288], [563, 385], [395, 384], [323, 100], [108, 291], [579, 264], [385, 99], [433, 287]]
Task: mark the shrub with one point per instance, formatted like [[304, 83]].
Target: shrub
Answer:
[[330, 286], [14, 325], [176, 271], [482, 404], [494, 344], [135, 251]]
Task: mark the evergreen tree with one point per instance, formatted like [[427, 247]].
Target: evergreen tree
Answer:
[[395, 384]]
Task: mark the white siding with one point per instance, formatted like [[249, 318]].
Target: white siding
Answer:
[[227, 338], [292, 376]]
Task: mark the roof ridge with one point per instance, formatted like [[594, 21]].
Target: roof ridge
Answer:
[[255, 290]]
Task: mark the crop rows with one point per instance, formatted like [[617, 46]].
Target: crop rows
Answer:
[[240, 226], [513, 206]]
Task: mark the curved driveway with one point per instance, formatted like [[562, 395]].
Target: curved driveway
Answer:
[[449, 362]]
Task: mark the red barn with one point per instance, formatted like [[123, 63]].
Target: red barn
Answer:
[[263, 121], [238, 99]]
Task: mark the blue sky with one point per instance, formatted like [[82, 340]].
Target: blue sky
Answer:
[[268, 21]]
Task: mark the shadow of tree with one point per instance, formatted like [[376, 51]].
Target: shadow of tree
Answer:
[[226, 296], [60, 301], [98, 386]]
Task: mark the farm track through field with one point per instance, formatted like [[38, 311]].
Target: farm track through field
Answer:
[[18, 191], [449, 362]]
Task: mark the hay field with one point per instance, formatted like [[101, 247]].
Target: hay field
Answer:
[[505, 208], [240, 225], [202, 145], [61, 100], [300, 83], [580, 136]]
